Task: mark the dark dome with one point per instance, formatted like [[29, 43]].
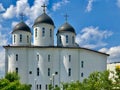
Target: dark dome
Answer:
[[21, 26], [44, 18], [66, 27]]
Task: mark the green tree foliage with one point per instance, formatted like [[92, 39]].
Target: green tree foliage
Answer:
[[96, 81], [11, 82]]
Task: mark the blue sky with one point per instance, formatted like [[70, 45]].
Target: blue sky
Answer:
[[97, 22]]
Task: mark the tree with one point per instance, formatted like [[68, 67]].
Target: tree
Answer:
[[98, 81], [95, 81], [11, 82]]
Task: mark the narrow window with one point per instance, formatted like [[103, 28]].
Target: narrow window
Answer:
[[48, 58], [16, 57], [16, 69], [14, 38], [46, 86], [36, 32], [37, 86], [66, 38], [37, 57], [69, 58], [40, 86], [48, 71], [60, 39], [69, 72], [37, 71], [82, 74], [27, 39], [43, 32], [20, 37], [82, 64], [73, 40], [50, 32]]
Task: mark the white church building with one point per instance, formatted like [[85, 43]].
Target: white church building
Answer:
[[42, 62]]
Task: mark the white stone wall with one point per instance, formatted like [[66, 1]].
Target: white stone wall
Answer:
[[92, 62], [21, 64], [24, 34], [59, 62], [46, 40]]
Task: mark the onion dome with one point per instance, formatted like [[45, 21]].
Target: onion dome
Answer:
[[44, 18], [21, 26], [66, 27]]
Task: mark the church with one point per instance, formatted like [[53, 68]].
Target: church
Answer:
[[40, 62]]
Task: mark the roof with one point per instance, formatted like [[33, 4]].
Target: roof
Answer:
[[55, 47], [44, 18], [66, 27], [21, 26]]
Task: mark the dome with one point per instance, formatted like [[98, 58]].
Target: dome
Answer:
[[44, 18], [21, 26], [66, 27]]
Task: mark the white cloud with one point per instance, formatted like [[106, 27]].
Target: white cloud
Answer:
[[1, 7], [92, 37], [14, 24], [59, 4], [10, 12], [22, 6], [114, 53], [89, 5], [118, 3], [3, 40]]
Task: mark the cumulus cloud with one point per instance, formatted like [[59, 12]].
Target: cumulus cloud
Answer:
[[118, 3], [89, 5], [14, 24], [59, 4], [92, 37], [22, 6], [114, 53], [10, 12], [1, 7], [3, 40]]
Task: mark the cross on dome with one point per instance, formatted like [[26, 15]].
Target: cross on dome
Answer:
[[44, 6], [66, 17]]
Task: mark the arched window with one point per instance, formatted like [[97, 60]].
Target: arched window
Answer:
[[66, 38], [43, 32], [16, 57], [37, 71], [20, 37], [69, 71], [50, 32], [69, 58], [72, 39], [36, 32], [14, 39], [60, 39], [16, 69], [82, 64], [27, 39], [48, 71]]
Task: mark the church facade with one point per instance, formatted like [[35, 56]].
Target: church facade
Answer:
[[42, 63]]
